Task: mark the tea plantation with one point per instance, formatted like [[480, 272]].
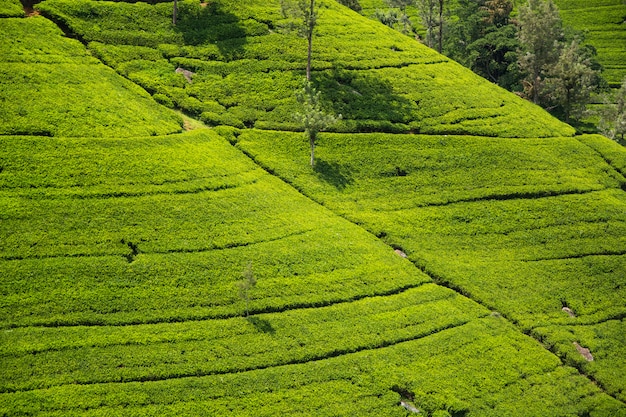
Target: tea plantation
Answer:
[[455, 250], [603, 23]]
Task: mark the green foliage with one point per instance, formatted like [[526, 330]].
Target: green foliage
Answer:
[[11, 8], [559, 73], [605, 341], [484, 39], [121, 253], [254, 342], [521, 376], [602, 23], [312, 118], [613, 114], [174, 217], [612, 153], [540, 32], [525, 226], [571, 81], [376, 78], [353, 4], [119, 295], [247, 283], [50, 82]]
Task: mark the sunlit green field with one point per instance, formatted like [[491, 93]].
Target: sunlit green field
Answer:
[[602, 22], [426, 262]]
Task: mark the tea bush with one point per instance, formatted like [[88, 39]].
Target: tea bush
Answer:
[[11, 8], [376, 78], [525, 226], [49, 81]]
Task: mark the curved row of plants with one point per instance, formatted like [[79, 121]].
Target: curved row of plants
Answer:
[[122, 253]]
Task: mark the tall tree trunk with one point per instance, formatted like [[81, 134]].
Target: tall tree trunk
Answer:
[[309, 31], [175, 13], [312, 142], [440, 25], [308, 59]]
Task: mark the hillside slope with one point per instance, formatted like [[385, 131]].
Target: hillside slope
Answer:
[[121, 252], [601, 22], [44, 92], [248, 66], [604, 24]]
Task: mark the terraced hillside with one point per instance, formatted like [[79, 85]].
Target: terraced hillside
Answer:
[[124, 238], [604, 25], [601, 21]]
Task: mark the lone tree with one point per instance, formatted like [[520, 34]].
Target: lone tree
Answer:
[[247, 282], [306, 12], [313, 118]]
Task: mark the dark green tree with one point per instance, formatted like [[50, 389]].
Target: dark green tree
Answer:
[[465, 30], [353, 4], [540, 33], [428, 15], [571, 81], [485, 40], [396, 15], [494, 54], [613, 114], [388, 17]]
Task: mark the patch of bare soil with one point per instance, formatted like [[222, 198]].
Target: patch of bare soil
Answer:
[[400, 253], [569, 311], [30, 12], [583, 351], [187, 126], [186, 73]]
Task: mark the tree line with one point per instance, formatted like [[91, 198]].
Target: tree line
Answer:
[[531, 53], [534, 55]]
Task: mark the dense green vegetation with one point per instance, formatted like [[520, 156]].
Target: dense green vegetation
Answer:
[[602, 21], [525, 46], [124, 239], [502, 221], [50, 82], [11, 8], [376, 78]]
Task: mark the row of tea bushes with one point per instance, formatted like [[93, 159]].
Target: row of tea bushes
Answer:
[[50, 81], [520, 379], [376, 78], [62, 355], [602, 22], [526, 227], [11, 8]]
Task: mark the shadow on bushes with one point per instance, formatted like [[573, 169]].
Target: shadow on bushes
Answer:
[[210, 24], [262, 325], [359, 96], [333, 173]]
